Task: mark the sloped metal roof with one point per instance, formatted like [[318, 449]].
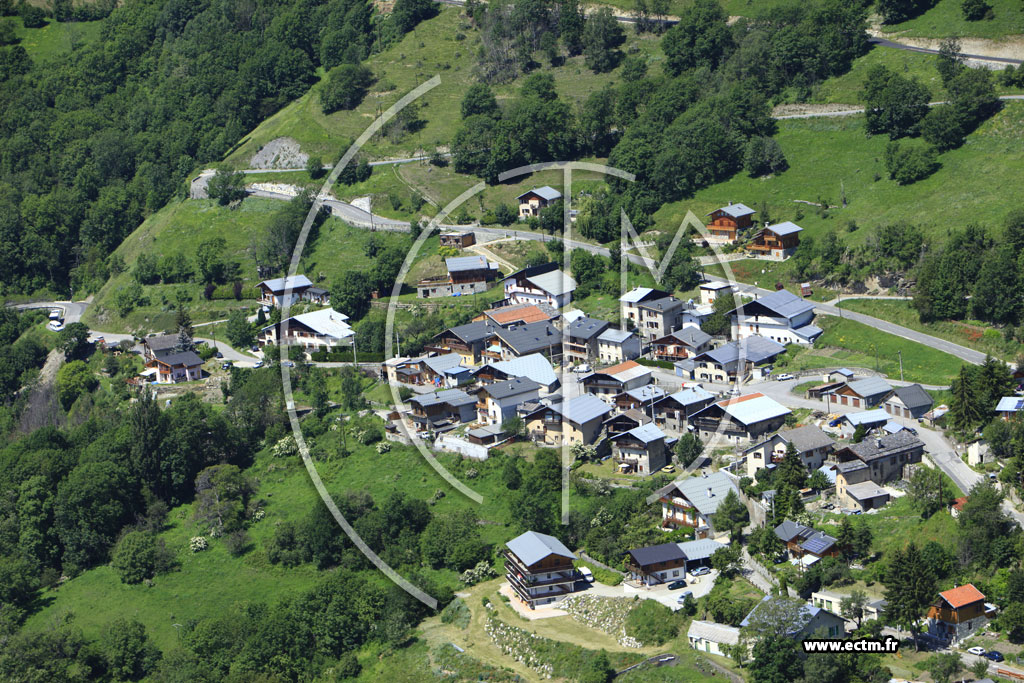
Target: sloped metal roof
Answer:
[[532, 547]]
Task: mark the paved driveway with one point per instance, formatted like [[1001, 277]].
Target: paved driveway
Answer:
[[660, 593]]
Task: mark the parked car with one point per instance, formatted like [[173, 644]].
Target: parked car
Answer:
[[259, 364], [682, 597], [669, 469], [830, 506], [288, 364], [55, 314], [254, 348], [55, 325], [979, 651], [733, 391], [700, 571], [225, 366], [581, 368], [784, 377], [994, 655], [586, 574], [218, 354], [677, 584]]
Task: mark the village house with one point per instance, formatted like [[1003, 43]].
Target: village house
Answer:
[[957, 614], [655, 564], [611, 382], [957, 507], [728, 223], [641, 398], [780, 316], [740, 419], [710, 291], [909, 402], [862, 393], [539, 568], [870, 419], [615, 346], [469, 341], [442, 409], [693, 502], [532, 201], [712, 637], [811, 444], [581, 338], [685, 343], [804, 543], [532, 366], [1009, 407], [543, 284], [518, 314], [777, 241], [325, 330], [863, 496], [574, 421], [630, 301], [642, 450], [813, 622], [497, 402], [175, 366], [624, 421], [832, 601], [159, 345], [466, 275], [459, 240], [272, 292], [672, 412], [885, 456], [658, 317], [736, 361], [444, 370]]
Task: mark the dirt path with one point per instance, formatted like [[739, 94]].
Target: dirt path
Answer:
[[487, 253], [1010, 47]]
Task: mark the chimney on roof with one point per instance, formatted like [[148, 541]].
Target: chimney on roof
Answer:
[[710, 495], [878, 443]]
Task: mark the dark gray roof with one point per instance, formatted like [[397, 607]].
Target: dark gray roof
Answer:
[[473, 332], [186, 358], [850, 466], [691, 336], [807, 438], [162, 342], [587, 328], [755, 349], [660, 305], [870, 386], [914, 396], [460, 263], [818, 544], [511, 387], [781, 302], [653, 554], [453, 397], [789, 530], [530, 338], [874, 448]]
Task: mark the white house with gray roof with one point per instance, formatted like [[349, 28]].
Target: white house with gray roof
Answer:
[[497, 402], [325, 329], [692, 502], [534, 200], [812, 446], [273, 292], [543, 284], [780, 316], [712, 637], [466, 275], [642, 450], [615, 346]]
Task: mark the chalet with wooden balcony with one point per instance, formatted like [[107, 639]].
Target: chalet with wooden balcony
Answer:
[[533, 201], [957, 613], [459, 240], [642, 450], [466, 275], [469, 341], [736, 361], [812, 447], [777, 241], [740, 419], [672, 412], [623, 422], [325, 329], [656, 564], [728, 223], [693, 502], [442, 409], [578, 420], [685, 343], [539, 569], [641, 398], [543, 284], [610, 382]]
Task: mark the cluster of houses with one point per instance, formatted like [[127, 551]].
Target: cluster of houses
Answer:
[[734, 223]]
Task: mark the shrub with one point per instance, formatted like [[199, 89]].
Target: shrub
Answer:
[[345, 87], [456, 613], [135, 557], [237, 543], [909, 163], [764, 156], [198, 544]]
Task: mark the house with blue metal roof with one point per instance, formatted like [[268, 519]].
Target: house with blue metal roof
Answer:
[[692, 502], [777, 241], [780, 316], [576, 420], [672, 412]]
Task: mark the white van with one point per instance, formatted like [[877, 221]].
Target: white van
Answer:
[[586, 574]]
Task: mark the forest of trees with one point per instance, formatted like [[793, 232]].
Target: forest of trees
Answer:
[[95, 140]]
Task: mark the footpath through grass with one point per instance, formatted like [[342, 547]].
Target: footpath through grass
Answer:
[[846, 342], [972, 334]]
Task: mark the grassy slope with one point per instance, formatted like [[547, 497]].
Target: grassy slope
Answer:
[[947, 19], [973, 334], [824, 153], [846, 342], [55, 38], [432, 48]]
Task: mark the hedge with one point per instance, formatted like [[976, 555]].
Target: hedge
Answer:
[[656, 363], [346, 356]]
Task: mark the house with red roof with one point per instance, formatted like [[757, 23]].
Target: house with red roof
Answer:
[[958, 506], [957, 613]]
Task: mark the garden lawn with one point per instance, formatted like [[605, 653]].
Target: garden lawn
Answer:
[[854, 344], [899, 523], [972, 334], [55, 38]]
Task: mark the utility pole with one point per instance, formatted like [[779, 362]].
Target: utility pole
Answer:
[[355, 361], [900, 352]]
